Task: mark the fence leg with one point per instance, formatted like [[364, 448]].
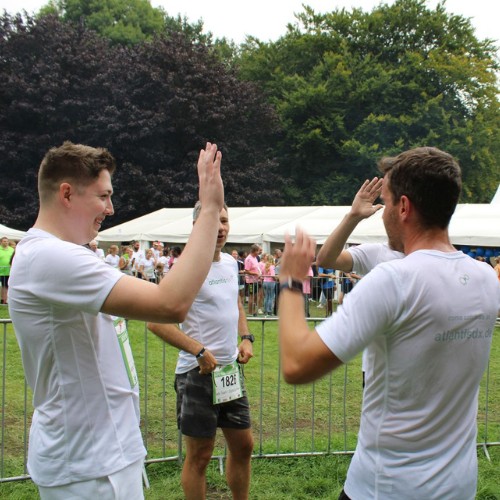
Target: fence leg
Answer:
[[145, 479], [486, 453]]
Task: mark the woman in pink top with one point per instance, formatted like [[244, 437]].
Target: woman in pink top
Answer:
[[269, 283], [306, 290]]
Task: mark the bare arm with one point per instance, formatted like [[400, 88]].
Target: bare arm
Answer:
[[172, 335], [171, 299], [332, 253], [304, 356], [245, 349]]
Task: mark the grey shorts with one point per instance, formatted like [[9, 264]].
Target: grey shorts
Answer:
[[197, 416]]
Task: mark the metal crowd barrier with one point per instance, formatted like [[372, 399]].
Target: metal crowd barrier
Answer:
[[316, 419]]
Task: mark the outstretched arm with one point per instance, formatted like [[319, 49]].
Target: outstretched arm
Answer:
[[171, 299], [304, 356], [332, 253]]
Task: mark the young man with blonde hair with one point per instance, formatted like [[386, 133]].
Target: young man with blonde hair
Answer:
[[68, 311]]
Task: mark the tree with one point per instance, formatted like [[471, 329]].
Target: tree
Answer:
[[121, 21], [351, 87], [50, 90], [153, 105]]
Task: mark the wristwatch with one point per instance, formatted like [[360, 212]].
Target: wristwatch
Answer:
[[291, 284], [200, 354], [249, 337]]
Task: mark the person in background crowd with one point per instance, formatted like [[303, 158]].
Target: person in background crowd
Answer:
[[497, 267], [93, 245], [6, 256], [306, 290], [209, 356], [252, 275], [137, 256], [241, 274], [260, 289], [420, 333], [163, 259], [126, 264], [269, 284], [156, 250], [328, 287], [175, 253], [347, 282], [147, 266], [85, 440], [159, 271], [113, 259]]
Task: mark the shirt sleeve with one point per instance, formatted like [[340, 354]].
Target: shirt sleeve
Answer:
[[79, 279], [365, 314]]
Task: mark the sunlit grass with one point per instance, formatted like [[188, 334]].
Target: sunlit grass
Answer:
[[285, 420]]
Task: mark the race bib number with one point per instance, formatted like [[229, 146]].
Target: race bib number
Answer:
[[128, 358], [226, 382]]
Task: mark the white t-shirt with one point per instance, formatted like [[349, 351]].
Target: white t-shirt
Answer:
[[113, 260], [100, 253], [364, 258], [86, 419], [148, 267], [213, 317], [428, 337], [368, 255]]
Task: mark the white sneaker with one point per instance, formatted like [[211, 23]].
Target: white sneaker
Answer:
[[321, 306], [260, 311]]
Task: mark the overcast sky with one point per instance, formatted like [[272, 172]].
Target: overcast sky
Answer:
[[267, 19]]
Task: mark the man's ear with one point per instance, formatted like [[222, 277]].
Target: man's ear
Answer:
[[65, 193], [405, 207]]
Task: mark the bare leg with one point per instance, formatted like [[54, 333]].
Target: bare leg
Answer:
[[251, 303], [198, 454], [240, 445]]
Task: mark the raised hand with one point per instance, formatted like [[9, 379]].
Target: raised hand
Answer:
[[298, 256], [211, 189], [362, 205]]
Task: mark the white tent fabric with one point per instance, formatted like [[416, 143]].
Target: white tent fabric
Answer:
[[472, 224], [12, 234], [496, 198]]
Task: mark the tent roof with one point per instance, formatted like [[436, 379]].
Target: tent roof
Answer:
[[12, 234], [496, 198], [470, 225]]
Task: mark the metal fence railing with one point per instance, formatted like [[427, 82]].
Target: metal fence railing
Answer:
[[319, 418]]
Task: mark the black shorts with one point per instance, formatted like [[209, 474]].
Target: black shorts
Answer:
[[197, 416], [4, 281], [252, 288]]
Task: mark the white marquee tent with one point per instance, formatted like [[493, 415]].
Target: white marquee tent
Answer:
[[472, 225], [12, 234]]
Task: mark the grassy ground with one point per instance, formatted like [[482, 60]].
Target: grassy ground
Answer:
[[285, 419]]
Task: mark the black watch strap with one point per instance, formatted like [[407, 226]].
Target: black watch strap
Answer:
[[291, 284], [200, 354], [250, 337]]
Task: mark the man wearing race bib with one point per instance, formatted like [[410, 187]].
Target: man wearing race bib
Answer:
[[208, 380]]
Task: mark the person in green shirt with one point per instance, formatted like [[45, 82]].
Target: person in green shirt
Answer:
[[6, 255]]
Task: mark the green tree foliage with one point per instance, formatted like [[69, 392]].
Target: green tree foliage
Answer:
[[126, 22], [351, 86], [121, 21], [153, 104]]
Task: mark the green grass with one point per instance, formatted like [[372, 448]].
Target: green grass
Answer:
[[285, 420]]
